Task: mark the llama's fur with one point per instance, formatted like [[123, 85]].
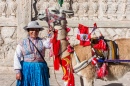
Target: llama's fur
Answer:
[[115, 70]]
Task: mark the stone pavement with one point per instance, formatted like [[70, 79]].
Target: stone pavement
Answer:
[[7, 78]]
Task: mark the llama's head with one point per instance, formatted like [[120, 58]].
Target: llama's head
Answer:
[[55, 16]]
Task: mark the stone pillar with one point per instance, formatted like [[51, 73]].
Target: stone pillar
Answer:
[[24, 16]]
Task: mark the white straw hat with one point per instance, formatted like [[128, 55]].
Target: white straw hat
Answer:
[[33, 24]]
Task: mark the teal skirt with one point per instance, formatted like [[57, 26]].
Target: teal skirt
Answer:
[[34, 74]]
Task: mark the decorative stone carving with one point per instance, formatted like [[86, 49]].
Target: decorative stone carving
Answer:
[[3, 7], [121, 9], [44, 6], [13, 8], [112, 8], [40, 6], [102, 10], [8, 59], [2, 54], [7, 37], [127, 12], [83, 10], [1, 41], [75, 7], [7, 32], [66, 5], [53, 4], [90, 9], [93, 9]]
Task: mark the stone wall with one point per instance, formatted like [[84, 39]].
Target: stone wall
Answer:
[[112, 18], [8, 31]]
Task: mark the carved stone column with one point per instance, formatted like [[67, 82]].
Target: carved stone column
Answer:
[[24, 16]]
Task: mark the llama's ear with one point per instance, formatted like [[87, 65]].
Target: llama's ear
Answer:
[[56, 11], [69, 11]]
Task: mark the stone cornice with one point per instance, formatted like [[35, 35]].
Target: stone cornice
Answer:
[[107, 24], [89, 23]]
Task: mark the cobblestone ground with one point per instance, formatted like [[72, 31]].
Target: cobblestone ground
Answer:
[[8, 79]]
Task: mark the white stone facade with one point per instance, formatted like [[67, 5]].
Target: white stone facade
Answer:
[[112, 18]]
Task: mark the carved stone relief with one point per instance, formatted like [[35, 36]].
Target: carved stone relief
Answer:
[[13, 8], [3, 7], [7, 45], [92, 9], [44, 5], [121, 9], [8, 8], [66, 5], [75, 8], [2, 55], [53, 4], [1, 41], [111, 11], [102, 10], [83, 10]]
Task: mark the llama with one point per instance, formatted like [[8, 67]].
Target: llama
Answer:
[[88, 73], [84, 54]]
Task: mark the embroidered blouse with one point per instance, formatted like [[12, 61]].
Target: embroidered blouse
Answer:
[[25, 46]]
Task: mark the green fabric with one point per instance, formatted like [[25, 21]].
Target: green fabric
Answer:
[[60, 2]]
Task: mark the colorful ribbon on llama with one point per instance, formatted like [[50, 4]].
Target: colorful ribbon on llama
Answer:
[[68, 76]]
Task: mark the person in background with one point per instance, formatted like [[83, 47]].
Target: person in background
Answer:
[[29, 64]]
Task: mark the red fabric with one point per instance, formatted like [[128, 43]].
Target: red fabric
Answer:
[[102, 72], [70, 49], [83, 30], [67, 29], [101, 45], [56, 48], [94, 61], [67, 71]]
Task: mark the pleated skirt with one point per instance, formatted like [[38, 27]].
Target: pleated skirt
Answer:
[[34, 74]]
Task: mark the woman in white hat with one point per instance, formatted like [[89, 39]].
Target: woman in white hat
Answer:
[[31, 68]]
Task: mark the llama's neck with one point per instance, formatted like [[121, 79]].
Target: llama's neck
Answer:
[[62, 34], [63, 48]]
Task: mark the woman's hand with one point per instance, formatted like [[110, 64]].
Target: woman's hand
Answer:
[[18, 76], [50, 33]]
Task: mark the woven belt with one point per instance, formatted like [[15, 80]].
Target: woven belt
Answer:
[[35, 59]]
